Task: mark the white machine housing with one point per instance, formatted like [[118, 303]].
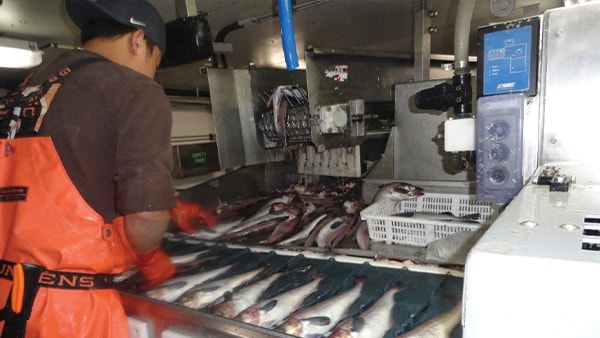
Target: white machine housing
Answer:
[[534, 272]]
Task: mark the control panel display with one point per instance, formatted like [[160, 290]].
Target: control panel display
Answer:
[[499, 147], [507, 58]]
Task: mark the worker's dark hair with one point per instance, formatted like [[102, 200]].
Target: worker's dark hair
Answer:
[[108, 29]]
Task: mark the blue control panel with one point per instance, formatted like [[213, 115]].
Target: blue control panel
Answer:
[[508, 57]]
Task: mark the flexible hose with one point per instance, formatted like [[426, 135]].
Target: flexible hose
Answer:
[[284, 8], [461, 36]]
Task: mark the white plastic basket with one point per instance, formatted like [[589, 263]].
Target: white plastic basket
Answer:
[[416, 231]]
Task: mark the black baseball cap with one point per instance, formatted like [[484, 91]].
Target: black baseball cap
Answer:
[[134, 13]]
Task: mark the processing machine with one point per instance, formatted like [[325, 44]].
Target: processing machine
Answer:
[[520, 157], [529, 274]]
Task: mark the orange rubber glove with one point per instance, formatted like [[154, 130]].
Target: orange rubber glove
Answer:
[[155, 266], [189, 216]]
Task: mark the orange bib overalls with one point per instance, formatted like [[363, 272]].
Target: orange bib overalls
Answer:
[[45, 221]]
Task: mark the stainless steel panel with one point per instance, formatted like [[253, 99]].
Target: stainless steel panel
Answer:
[[570, 65], [418, 145], [366, 76], [235, 99], [225, 105]]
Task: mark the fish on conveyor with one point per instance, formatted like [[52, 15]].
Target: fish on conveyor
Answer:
[[202, 295], [398, 191], [308, 208], [234, 208], [316, 320], [437, 327], [303, 234], [279, 213], [312, 236], [186, 258], [362, 236], [272, 311], [283, 230], [278, 209], [349, 231], [265, 209], [170, 290], [374, 322], [352, 206], [220, 229], [440, 217], [183, 267], [330, 232], [240, 300]]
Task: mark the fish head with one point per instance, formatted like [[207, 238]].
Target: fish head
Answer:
[[292, 326], [165, 290], [352, 206], [401, 191], [341, 333], [308, 208], [225, 309], [186, 300], [250, 316]]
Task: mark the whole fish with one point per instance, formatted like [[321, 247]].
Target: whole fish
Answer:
[[256, 229], [352, 206], [282, 230], [312, 237], [195, 264], [349, 231], [220, 229], [170, 290], [362, 236], [398, 191], [187, 258], [202, 295], [374, 322], [316, 320], [277, 210], [437, 327], [278, 103], [236, 206], [308, 208], [441, 217], [240, 300], [272, 311], [330, 232], [303, 234], [265, 209]]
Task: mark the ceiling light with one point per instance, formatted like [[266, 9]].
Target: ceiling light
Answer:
[[19, 54]]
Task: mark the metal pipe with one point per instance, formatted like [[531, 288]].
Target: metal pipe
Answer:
[[255, 20], [284, 8], [461, 36]]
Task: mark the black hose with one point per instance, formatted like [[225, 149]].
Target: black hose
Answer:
[[221, 38]]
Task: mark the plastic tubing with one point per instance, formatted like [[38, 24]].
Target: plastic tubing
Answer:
[[284, 8], [461, 36]]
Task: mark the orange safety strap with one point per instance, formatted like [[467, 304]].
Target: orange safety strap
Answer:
[[18, 289]]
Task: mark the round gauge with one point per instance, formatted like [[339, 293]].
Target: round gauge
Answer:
[[499, 152], [499, 129], [498, 175]]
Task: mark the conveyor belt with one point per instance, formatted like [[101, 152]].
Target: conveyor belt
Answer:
[[426, 294]]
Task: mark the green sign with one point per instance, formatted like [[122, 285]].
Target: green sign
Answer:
[[199, 158]]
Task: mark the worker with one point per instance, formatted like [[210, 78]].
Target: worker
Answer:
[[88, 197]]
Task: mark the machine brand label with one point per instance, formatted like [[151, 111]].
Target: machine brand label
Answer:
[[13, 193]]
